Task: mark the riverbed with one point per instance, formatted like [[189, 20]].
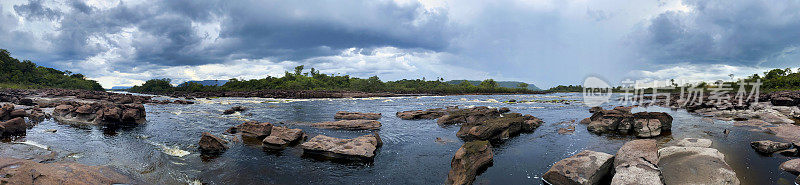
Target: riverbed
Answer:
[[164, 149]]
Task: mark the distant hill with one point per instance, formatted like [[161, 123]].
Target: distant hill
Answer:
[[508, 84], [207, 82], [120, 87]]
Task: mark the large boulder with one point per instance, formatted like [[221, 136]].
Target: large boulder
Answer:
[[280, 137], [471, 159], [356, 115], [789, 132], [212, 144], [361, 148], [586, 167], [20, 171], [470, 115], [13, 127], [99, 114], [350, 125], [234, 109], [621, 121], [768, 147], [694, 165], [498, 128], [636, 163], [252, 129]]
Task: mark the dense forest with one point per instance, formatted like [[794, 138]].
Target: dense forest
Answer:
[[26, 74], [314, 80], [773, 80]]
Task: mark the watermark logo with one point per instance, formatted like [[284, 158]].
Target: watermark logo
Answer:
[[595, 91]]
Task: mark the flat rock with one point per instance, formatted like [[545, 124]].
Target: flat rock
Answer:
[[350, 125], [280, 137], [20, 171], [694, 142], [422, 114], [769, 147], [636, 163], [791, 166], [499, 128], [694, 165], [252, 129], [212, 144], [361, 148], [356, 115], [786, 131], [471, 159], [586, 167]]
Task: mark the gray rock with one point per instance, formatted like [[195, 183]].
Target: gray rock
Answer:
[[694, 142], [361, 148], [769, 147], [694, 165], [635, 163], [586, 167], [469, 161]]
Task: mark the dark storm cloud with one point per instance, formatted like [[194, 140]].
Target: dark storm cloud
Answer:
[[167, 33], [35, 10], [723, 31]]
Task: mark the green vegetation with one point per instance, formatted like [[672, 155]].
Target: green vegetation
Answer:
[[314, 80], [27, 75], [506, 84], [773, 80]]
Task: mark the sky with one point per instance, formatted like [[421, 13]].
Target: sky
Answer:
[[543, 42]]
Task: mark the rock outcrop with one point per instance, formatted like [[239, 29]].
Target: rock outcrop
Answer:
[[252, 129], [350, 125], [14, 126], [791, 166], [694, 165], [343, 115], [281, 137], [361, 148], [768, 147], [424, 114], [498, 128], [99, 114], [636, 163], [211, 144], [469, 115], [586, 167], [471, 159], [694, 142], [20, 171], [621, 121]]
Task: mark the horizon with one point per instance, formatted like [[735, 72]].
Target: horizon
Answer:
[[544, 43]]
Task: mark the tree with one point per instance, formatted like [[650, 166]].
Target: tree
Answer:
[[298, 70], [489, 83], [522, 85]]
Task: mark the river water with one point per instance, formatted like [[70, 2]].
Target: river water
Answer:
[[164, 150]]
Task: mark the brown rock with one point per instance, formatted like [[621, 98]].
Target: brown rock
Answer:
[[499, 128], [586, 167], [280, 137], [350, 125], [212, 144], [471, 159], [423, 114], [356, 115], [13, 127], [791, 166], [19, 171], [769, 147], [18, 113], [252, 129], [358, 149]]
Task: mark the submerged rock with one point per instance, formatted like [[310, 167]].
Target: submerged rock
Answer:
[[769, 147], [586, 167], [350, 125], [694, 142], [694, 165], [234, 109], [636, 163], [212, 144], [498, 128], [361, 148], [356, 115], [20, 171], [472, 158]]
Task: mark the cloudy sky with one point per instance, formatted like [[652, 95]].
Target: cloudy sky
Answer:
[[124, 42]]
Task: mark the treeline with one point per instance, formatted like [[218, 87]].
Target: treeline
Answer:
[[314, 80], [773, 80], [26, 74]]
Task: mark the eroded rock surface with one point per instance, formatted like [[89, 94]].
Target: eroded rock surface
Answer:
[[498, 128], [621, 121], [350, 125], [361, 148], [694, 142], [694, 165], [280, 137], [769, 147], [252, 129], [212, 144], [423, 114], [586, 167], [469, 161], [636, 163], [20, 171], [344, 115]]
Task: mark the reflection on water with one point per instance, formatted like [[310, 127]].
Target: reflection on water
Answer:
[[164, 150]]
